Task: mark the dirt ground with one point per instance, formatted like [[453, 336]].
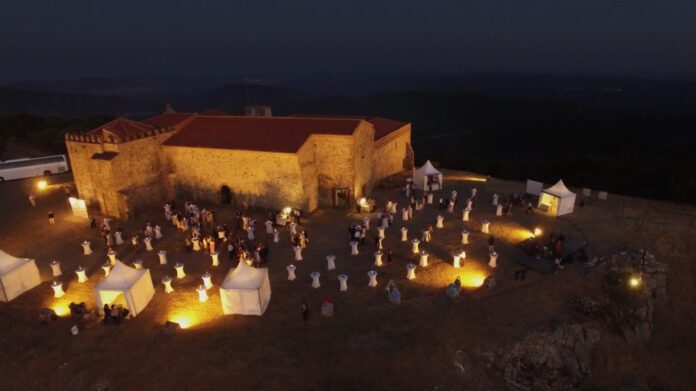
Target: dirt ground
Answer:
[[368, 343]]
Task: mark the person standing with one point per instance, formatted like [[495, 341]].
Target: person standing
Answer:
[[389, 255], [51, 218], [32, 200], [305, 311], [491, 245]]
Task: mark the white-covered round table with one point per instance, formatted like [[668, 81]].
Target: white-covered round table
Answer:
[[138, 264], [440, 221], [87, 247], [293, 228], [404, 214], [414, 246], [57, 289], [269, 226], [81, 274], [207, 283], [499, 210], [378, 258], [315, 279], [495, 199], [380, 232], [148, 244], [411, 271], [465, 237], [372, 275], [215, 257], [179, 267], [404, 234], [330, 262], [430, 198], [291, 272], [423, 259], [493, 261], [366, 222], [106, 267], [353, 248], [167, 282], [276, 236], [118, 236], [343, 282], [55, 268], [455, 261], [158, 232], [485, 225], [196, 244], [202, 293], [298, 253], [465, 215]]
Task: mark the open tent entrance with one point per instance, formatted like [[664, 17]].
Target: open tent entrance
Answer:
[[549, 203], [129, 287], [557, 200]]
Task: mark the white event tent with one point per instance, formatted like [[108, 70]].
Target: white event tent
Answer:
[[127, 286], [245, 291], [17, 275], [557, 199], [427, 177]]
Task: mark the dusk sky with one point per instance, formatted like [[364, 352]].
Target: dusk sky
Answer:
[[65, 39]]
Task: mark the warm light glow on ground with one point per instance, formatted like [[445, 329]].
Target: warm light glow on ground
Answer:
[[61, 307], [537, 231], [42, 185], [185, 319], [472, 278]]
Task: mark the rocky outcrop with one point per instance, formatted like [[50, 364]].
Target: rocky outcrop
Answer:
[[548, 360]]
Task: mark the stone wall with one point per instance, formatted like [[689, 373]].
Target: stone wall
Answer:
[[254, 178], [363, 150], [80, 154], [393, 154], [310, 180], [102, 182], [333, 156]]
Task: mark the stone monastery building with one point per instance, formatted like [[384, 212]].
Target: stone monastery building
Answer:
[[297, 161]]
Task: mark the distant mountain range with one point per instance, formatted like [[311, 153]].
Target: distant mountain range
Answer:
[[144, 94]]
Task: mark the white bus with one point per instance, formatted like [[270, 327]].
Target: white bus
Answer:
[[30, 167]]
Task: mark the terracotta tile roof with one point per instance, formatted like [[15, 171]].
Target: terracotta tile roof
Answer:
[[167, 120], [272, 134], [212, 112], [120, 128], [383, 126]]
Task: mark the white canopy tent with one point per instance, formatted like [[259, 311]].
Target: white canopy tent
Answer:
[[245, 291], [534, 187], [17, 275], [127, 286], [557, 199], [427, 177]]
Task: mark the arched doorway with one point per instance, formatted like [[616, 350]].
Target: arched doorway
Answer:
[[225, 195]]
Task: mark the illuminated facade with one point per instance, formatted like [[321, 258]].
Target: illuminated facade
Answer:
[[302, 161]]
